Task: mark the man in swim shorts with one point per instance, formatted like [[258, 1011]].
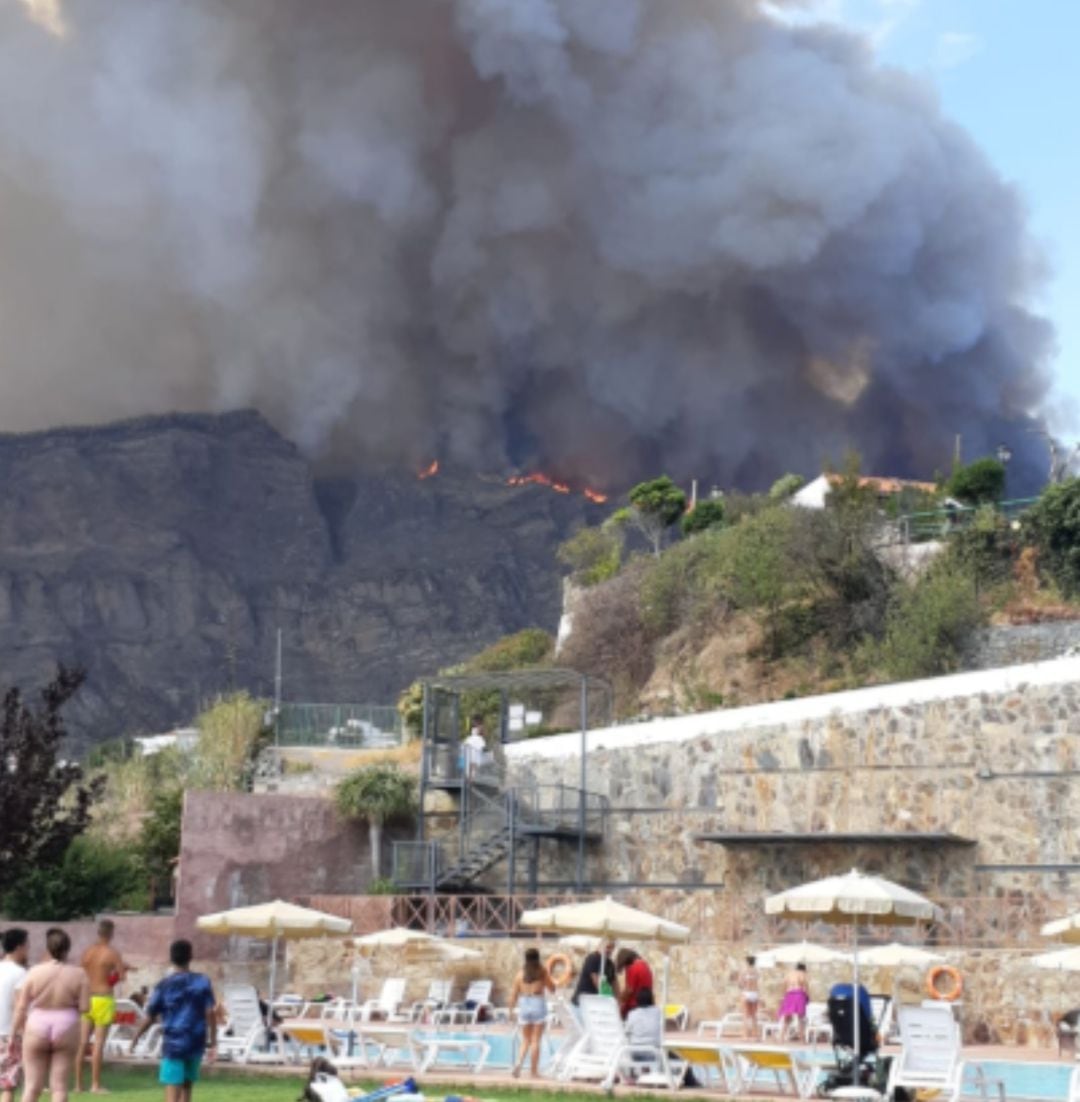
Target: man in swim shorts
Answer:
[[104, 969], [184, 1004]]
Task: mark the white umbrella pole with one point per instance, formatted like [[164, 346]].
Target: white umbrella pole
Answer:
[[273, 980], [664, 990], [857, 1006]]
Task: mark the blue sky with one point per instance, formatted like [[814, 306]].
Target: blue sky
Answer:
[[1009, 71]]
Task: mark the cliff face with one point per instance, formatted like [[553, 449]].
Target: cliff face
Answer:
[[164, 554]]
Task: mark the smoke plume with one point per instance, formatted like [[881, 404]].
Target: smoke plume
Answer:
[[604, 236]]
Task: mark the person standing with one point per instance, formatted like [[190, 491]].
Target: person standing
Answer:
[[184, 1002], [796, 1000], [634, 975], [51, 998], [16, 945], [597, 966], [104, 970], [751, 996], [529, 996], [475, 749]]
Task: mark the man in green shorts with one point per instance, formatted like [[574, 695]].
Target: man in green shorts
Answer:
[[184, 1004]]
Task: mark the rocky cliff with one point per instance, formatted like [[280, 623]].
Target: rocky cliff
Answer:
[[163, 555]]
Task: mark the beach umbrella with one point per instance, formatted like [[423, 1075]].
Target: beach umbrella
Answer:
[[414, 943], [606, 918], [1060, 960], [273, 921], [895, 955], [580, 943], [848, 900], [1064, 929], [801, 952]]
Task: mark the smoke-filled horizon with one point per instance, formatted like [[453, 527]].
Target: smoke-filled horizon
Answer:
[[604, 238]]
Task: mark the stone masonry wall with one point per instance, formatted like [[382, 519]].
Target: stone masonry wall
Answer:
[[1012, 644], [992, 757]]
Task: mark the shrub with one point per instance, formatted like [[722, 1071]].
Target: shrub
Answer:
[[981, 482], [705, 515], [930, 622], [786, 486], [1055, 525], [93, 876], [376, 794], [530, 647], [986, 548], [229, 735], [593, 554], [654, 507]]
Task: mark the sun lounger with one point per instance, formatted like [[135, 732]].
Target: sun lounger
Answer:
[[245, 1038], [388, 1004], [730, 1025], [677, 1015], [129, 1016], [930, 1057], [817, 1027], [785, 1067], [567, 1021], [477, 1000], [430, 1050], [304, 1036], [438, 997], [714, 1063], [604, 1053], [1074, 1085]]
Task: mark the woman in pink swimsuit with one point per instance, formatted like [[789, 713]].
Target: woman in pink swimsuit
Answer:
[[52, 999]]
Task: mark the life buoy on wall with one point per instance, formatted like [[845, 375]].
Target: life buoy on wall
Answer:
[[562, 962], [956, 983]]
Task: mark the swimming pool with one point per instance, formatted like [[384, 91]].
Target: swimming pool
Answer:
[[504, 1047]]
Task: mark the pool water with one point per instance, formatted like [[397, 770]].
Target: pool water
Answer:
[[1035, 1081]]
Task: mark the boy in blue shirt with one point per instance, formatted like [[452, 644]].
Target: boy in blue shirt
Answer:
[[184, 1003]]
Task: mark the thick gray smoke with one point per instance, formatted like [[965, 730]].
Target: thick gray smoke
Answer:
[[605, 236]]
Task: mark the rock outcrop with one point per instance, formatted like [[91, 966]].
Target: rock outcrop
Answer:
[[163, 555]]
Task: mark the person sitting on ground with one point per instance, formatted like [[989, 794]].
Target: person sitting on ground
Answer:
[[184, 1003], [634, 975], [598, 966], [796, 1000], [645, 1027]]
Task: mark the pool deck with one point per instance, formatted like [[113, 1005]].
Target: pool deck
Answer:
[[500, 1079]]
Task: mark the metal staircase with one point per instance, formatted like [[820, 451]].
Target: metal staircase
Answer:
[[493, 824]]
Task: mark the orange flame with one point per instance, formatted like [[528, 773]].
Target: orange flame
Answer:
[[429, 471], [538, 478]]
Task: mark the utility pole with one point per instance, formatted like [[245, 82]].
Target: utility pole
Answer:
[[277, 692]]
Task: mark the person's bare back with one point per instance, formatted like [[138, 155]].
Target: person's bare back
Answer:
[[56, 986], [103, 967]]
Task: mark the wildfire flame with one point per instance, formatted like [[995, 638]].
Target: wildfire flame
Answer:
[[429, 471], [538, 478]]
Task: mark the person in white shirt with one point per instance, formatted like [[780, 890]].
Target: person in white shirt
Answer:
[[16, 944], [475, 750], [644, 1027]]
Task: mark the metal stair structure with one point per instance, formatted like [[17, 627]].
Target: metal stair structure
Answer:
[[494, 825]]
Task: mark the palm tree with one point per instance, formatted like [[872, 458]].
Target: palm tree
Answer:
[[375, 794]]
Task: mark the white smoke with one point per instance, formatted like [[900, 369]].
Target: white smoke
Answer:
[[609, 236]]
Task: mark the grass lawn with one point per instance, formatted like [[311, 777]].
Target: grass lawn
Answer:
[[129, 1084]]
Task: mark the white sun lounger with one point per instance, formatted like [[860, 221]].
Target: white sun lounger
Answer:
[[604, 1052], [477, 1000], [388, 1004]]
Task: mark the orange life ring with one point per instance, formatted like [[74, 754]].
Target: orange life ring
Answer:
[[562, 962], [956, 983]]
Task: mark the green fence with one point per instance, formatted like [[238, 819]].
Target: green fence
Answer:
[[346, 725], [936, 524]]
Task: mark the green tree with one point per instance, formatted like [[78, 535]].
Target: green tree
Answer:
[[1055, 523], [705, 515], [787, 485], [230, 731], [654, 507], [981, 482], [376, 795], [593, 554], [930, 622], [45, 802], [92, 876], [159, 841]]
